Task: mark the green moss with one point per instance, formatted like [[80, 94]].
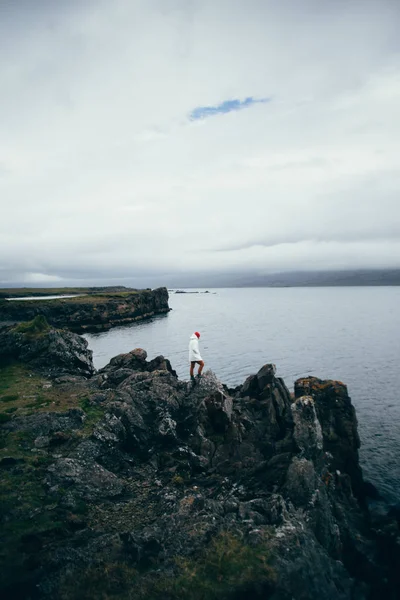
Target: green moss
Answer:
[[225, 568], [29, 521], [31, 518], [93, 413], [29, 392], [9, 398], [34, 328], [6, 380], [177, 480], [228, 565]]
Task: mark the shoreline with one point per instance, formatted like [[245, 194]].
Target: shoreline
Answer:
[[90, 313]]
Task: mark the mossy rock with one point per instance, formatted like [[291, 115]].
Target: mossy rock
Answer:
[[36, 327]]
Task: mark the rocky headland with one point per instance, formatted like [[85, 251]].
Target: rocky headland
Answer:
[[92, 311], [30, 292], [128, 483]]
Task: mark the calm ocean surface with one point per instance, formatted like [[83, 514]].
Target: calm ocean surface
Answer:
[[350, 334]]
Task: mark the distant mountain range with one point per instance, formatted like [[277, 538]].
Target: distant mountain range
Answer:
[[196, 280], [354, 277], [374, 277]]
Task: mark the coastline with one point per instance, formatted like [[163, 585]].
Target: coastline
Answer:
[[130, 470], [93, 312]]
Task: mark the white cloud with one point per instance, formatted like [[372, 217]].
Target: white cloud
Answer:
[[102, 171], [41, 278]]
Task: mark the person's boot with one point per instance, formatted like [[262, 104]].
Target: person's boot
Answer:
[[193, 379]]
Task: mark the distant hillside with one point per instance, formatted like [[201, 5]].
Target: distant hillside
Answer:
[[354, 277], [322, 278], [206, 280]]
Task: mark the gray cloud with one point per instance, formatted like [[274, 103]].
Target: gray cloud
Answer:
[[102, 175]]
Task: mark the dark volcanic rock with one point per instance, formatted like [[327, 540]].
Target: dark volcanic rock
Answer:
[[338, 421], [45, 423], [123, 366], [52, 351], [170, 466], [89, 479]]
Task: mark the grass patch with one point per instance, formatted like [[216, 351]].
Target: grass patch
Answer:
[[90, 300], [29, 515], [31, 519], [16, 444], [226, 568], [32, 292], [26, 391], [9, 398], [93, 413], [98, 298], [28, 522], [229, 565], [34, 328]]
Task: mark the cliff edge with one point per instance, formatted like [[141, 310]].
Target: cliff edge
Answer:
[[129, 483], [89, 312]]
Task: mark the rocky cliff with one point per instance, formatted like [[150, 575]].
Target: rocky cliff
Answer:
[[91, 312], [129, 483], [30, 292]]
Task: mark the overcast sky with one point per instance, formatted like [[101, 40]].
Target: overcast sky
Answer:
[[141, 139]]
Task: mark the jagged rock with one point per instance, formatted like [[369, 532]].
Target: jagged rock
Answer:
[[338, 421], [301, 482], [121, 367], [52, 351], [304, 572], [266, 376], [170, 465], [139, 353], [45, 423], [219, 411], [160, 364], [42, 441], [267, 397], [307, 428], [134, 361], [87, 480], [110, 431]]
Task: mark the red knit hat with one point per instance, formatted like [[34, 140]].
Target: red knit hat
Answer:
[[197, 333]]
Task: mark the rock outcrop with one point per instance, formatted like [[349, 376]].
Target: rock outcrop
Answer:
[[50, 350], [89, 312], [197, 491], [30, 292]]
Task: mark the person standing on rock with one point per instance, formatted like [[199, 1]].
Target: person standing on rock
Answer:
[[194, 355]]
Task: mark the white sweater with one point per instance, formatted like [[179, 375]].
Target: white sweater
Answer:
[[194, 351]]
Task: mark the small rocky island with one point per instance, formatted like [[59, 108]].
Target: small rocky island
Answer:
[[128, 483], [91, 309]]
